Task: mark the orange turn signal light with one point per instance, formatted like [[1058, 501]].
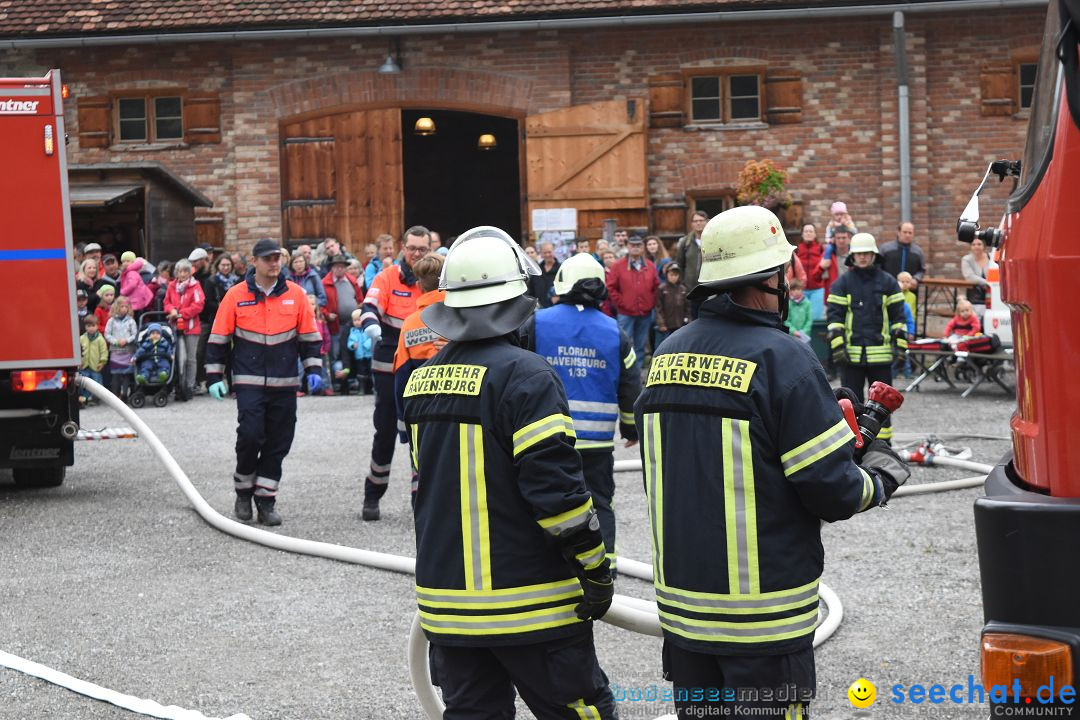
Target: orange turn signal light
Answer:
[[1007, 657], [31, 380]]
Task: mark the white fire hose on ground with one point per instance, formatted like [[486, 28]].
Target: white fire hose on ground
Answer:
[[626, 612]]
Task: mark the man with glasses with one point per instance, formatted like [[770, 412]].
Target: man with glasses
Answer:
[[390, 299]]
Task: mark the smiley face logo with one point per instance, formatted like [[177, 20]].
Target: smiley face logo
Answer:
[[862, 693]]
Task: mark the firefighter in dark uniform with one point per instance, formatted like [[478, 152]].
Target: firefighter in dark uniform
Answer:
[[510, 561], [596, 363], [390, 299], [867, 329], [745, 452], [265, 324]]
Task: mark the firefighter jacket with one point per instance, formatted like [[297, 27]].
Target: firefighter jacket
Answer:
[[270, 335], [745, 452], [595, 361], [867, 306], [390, 299], [500, 485]]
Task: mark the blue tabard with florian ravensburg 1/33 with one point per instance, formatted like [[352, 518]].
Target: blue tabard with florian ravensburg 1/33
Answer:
[[582, 344]]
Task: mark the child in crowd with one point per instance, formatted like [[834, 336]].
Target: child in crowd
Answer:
[[184, 300], [840, 218], [324, 349], [671, 308], [800, 314], [907, 287], [360, 346], [120, 333], [154, 356], [966, 322], [95, 353], [106, 295], [82, 305]]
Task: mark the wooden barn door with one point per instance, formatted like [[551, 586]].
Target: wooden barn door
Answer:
[[590, 157], [341, 178]]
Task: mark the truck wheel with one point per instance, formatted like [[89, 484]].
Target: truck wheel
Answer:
[[39, 477]]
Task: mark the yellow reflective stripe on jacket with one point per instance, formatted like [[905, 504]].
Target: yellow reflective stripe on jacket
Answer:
[[738, 603], [816, 448], [543, 428], [630, 359], [592, 558], [794, 712], [415, 460], [868, 492], [835, 299], [558, 524], [885, 433], [740, 507], [627, 418], [594, 444], [502, 598], [654, 488], [474, 511], [893, 299], [740, 632], [584, 712], [503, 624]]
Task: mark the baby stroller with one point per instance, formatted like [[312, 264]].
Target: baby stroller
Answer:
[[154, 385]]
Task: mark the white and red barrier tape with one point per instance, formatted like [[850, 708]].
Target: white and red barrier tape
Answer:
[[109, 433]]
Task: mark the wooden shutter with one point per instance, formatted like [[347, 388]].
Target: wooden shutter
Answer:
[[95, 121], [666, 100], [783, 98], [202, 118], [341, 178], [998, 85], [590, 157]]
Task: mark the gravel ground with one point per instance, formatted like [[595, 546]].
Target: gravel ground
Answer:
[[114, 579]]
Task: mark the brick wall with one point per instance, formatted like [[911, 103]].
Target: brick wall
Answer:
[[844, 148]]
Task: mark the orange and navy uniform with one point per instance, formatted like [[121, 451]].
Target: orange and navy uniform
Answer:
[[269, 335], [391, 298], [416, 345]]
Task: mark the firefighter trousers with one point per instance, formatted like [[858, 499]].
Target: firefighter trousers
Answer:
[[700, 680], [382, 446], [598, 466], [266, 422], [856, 376], [558, 679]]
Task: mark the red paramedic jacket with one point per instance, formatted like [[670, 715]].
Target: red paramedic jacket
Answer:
[[269, 335]]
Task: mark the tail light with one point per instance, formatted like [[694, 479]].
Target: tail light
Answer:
[[993, 275], [32, 380], [1030, 660], [50, 144]]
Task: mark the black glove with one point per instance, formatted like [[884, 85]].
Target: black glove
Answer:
[[844, 393], [837, 347], [599, 589], [899, 338], [885, 465], [579, 548]]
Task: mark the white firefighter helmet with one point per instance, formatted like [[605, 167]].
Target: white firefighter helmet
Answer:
[[741, 246], [863, 242], [484, 277], [578, 267], [485, 266]]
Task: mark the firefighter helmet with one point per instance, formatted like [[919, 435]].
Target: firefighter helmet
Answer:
[[862, 243], [742, 246], [484, 277], [579, 267], [485, 266]]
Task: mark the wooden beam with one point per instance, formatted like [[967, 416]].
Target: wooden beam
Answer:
[[600, 151], [572, 130]]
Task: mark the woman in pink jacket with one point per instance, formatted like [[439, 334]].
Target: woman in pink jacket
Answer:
[[184, 300], [131, 283]]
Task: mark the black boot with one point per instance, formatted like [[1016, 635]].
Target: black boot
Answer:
[[242, 508], [371, 508], [267, 514]]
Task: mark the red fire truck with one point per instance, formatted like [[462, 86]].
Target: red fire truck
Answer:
[[39, 409], [1028, 524]]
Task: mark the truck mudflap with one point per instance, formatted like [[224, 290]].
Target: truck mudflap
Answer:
[[38, 429], [1027, 544]]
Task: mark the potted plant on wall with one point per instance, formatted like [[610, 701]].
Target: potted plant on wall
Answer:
[[762, 183]]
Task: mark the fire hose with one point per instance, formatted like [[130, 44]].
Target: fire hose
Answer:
[[626, 612]]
